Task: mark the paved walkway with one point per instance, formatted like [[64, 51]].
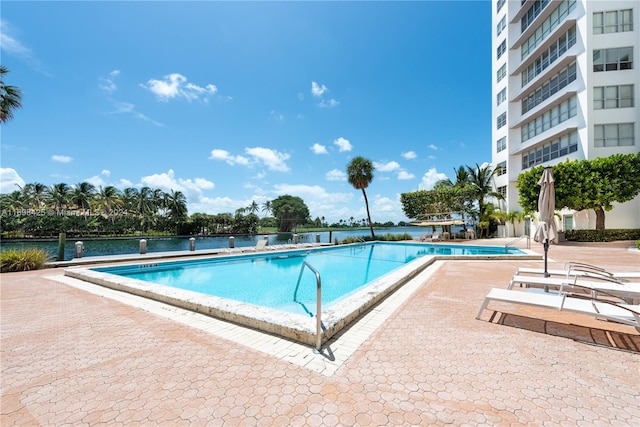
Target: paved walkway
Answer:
[[73, 357]]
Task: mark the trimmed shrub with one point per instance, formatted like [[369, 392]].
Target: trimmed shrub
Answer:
[[383, 238], [23, 259], [602, 235]]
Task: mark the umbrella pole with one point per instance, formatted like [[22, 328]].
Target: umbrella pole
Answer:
[[546, 252]]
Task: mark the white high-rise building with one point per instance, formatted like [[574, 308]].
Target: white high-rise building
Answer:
[[566, 85]]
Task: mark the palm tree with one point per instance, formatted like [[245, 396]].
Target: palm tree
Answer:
[[462, 178], [267, 208], [360, 175], [177, 206], [13, 201], [10, 97], [253, 208], [108, 199], [481, 180], [83, 194], [59, 194], [145, 206]]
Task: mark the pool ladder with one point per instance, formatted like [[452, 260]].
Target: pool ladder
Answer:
[[318, 301]]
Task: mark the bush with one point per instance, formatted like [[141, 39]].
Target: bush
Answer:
[[384, 238], [23, 259], [602, 235]]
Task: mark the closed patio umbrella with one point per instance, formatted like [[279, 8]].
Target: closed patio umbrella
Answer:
[[547, 232]]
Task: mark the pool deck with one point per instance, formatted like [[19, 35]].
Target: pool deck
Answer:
[[73, 353]]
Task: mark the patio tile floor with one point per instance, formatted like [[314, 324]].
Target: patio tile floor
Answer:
[[78, 354]]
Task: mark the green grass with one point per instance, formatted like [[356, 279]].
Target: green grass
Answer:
[[23, 259]]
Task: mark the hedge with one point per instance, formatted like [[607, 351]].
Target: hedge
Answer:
[[602, 235]]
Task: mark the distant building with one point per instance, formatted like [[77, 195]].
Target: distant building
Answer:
[[566, 85]]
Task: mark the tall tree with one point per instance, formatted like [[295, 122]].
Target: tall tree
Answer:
[[253, 208], [10, 97], [60, 194], [586, 184], [290, 211], [481, 181], [462, 178], [82, 195], [360, 175], [177, 206], [267, 208]]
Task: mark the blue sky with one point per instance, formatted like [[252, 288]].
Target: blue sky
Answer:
[[234, 102]]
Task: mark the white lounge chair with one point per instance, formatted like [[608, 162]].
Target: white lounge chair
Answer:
[[622, 313], [627, 291], [435, 237], [582, 269]]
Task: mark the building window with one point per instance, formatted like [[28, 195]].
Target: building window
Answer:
[[549, 56], [551, 118], [502, 96], [502, 120], [613, 21], [502, 24], [500, 4], [502, 72], [501, 144], [612, 97], [556, 148], [548, 26], [549, 88], [613, 135], [501, 168], [532, 13], [502, 48], [620, 58], [503, 191]]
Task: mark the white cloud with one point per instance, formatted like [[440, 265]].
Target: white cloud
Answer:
[[404, 175], [105, 172], [383, 206], [108, 84], [175, 85], [123, 183], [217, 154], [386, 167], [9, 180], [10, 45], [343, 144], [191, 188], [273, 159], [329, 104], [319, 149], [409, 155], [61, 159], [336, 175], [318, 90], [433, 147], [97, 181], [430, 178]]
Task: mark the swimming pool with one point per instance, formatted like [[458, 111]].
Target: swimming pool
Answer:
[[275, 292]]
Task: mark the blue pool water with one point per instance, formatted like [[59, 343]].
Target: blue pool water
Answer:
[[270, 279]]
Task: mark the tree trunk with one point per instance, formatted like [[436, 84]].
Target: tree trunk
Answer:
[[366, 202], [599, 218]]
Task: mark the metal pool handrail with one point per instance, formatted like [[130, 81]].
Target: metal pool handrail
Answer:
[[516, 240], [318, 301]]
